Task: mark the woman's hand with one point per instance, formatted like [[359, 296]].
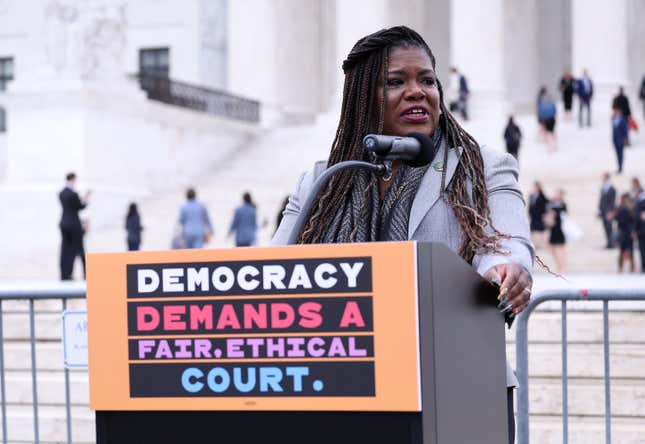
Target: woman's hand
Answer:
[[515, 286]]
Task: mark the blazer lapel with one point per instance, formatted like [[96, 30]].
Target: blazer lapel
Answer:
[[429, 188]]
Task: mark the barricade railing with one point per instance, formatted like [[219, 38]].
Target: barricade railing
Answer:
[[564, 296], [61, 294]]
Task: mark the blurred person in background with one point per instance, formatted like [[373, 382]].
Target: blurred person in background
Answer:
[[621, 102], [567, 88], [133, 227], [584, 90], [546, 111], [619, 135], [625, 222], [512, 137], [459, 85], [244, 223], [195, 222], [606, 207], [639, 225], [557, 241], [641, 94], [537, 209], [71, 228], [635, 189]]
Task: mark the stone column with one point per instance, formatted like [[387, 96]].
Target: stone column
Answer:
[[554, 42], [636, 47], [281, 55], [520, 53], [599, 36], [431, 19]]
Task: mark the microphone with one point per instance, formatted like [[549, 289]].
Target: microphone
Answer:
[[415, 149]]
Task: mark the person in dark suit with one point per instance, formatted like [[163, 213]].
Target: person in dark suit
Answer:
[[606, 208], [619, 135], [71, 228], [641, 94], [639, 226], [133, 227], [584, 90]]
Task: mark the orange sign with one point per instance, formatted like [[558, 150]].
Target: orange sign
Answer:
[[317, 327]]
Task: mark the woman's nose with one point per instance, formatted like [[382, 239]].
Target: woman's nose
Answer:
[[414, 91]]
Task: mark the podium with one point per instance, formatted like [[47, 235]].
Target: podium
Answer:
[[395, 342]]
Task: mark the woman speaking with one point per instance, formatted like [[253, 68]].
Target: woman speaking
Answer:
[[467, 198]]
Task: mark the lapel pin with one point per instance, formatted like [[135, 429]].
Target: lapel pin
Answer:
[[438, 166]]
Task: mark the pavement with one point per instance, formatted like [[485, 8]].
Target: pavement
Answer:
[[270, 165]]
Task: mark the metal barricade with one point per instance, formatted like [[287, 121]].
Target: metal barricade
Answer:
[[64, 295], [602, 295]]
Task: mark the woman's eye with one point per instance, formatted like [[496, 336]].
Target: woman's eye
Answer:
[[429, 80], [394, 82]]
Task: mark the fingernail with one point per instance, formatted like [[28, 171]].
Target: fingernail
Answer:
[[502, 303], [507, 308], [496, 281], [502, 292]]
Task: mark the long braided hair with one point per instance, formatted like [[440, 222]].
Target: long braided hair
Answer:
[[364, 68]]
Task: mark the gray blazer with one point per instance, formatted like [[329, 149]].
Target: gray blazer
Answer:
[[432, 219]]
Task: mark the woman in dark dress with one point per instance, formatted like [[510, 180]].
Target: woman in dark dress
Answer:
[[557, 240], [537, 208], [133, 227], [625, 221], [567, 87]]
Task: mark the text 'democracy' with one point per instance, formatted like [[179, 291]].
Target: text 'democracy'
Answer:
[[233, 278]]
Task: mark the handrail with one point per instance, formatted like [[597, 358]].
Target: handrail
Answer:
[[522, 364], [199, 98]]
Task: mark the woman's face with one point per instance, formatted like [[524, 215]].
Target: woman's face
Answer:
[[412, 98]]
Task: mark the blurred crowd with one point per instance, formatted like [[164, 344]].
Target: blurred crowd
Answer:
[[622, 216]]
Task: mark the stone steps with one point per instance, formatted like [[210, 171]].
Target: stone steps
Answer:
[[586, 397], [52, 424], [584, 327], [584, 360], [50, 385], [545, 429]]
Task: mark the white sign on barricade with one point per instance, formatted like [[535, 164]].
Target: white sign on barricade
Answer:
[[75, 338]]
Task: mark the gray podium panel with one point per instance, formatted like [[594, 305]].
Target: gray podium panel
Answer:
[[463, 358]]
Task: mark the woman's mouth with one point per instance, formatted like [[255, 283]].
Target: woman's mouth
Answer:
[[415, 115]]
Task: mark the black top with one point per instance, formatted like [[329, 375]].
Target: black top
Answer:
[[639, 216], [72, 204], [607, 201], [512, 135], [625, 220], [567, 86], [622, 103], [557, 235], [537, 208], [133, 226]]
